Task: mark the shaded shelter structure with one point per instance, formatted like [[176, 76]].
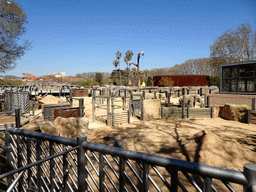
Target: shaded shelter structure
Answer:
[[238, 78]]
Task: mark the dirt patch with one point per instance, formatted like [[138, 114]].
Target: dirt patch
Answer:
[[216, 142]]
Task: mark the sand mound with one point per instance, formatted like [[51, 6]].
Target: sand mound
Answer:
[[214, 150], [49, 99]]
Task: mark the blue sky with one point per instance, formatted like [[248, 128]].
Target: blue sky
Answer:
[[76, 36]]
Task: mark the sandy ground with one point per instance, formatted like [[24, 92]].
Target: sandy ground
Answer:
[[216, 142]]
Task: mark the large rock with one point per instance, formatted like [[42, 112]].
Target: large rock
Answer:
[[41, 126], [234, 112], [65, 127], [71, 127]]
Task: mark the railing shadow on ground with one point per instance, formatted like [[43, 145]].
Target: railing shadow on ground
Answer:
[[77, 165]]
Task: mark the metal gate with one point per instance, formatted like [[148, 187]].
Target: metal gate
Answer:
[[136, 104], [16, 100]]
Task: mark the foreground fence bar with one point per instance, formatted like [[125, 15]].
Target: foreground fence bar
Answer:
[[145, 161], [82, 175]]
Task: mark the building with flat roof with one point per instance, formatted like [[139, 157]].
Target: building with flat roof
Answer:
[[238, 78]]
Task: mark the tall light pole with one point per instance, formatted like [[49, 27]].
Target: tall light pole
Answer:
[[138, 66]]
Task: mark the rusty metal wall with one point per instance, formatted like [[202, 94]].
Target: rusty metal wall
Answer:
[[73, 112], [80, 93], [183, 80]]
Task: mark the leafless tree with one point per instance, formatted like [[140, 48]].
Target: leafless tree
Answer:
[[235, 45]]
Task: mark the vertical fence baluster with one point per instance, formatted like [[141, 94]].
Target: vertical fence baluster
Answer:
[[101, 172], [174, 179], [82, 162], [65, 172], [51, 166], [207, 185], [145, 177], [39, 170], [28, 162], [121, 174]]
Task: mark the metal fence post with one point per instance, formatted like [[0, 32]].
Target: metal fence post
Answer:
[[183, 91], [82, 162], [101, 172], [211, 111], [205, 100], [39, 170], [121, 174], [81, 104], [253, 103], [17, 118], [8, 141], [207, 184], [250, 174], [201, 91], [145, 177]]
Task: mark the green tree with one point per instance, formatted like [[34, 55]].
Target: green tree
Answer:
[[215, 80], [127, 59], [12, 26], [166, 81], [149, 81], [99, 78]]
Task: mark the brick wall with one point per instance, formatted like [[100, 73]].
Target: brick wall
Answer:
[[221, 99]]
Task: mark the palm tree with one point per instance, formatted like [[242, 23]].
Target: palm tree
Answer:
[[118, 56], [115, 62], [127, 59]]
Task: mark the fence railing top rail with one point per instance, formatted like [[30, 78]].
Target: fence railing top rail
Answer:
[[191, 167], [43, 136]]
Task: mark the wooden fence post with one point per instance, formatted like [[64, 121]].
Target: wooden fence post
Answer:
[[113, 112], [141, 107], [183, 108], [93, 106], [108, 111]]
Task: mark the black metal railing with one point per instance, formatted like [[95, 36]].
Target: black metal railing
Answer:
[[43, 162]]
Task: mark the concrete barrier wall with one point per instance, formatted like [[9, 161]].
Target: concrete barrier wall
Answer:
[[151, 109], [193, 112]]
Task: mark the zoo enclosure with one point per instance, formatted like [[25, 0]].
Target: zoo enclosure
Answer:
[[66, 164]]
